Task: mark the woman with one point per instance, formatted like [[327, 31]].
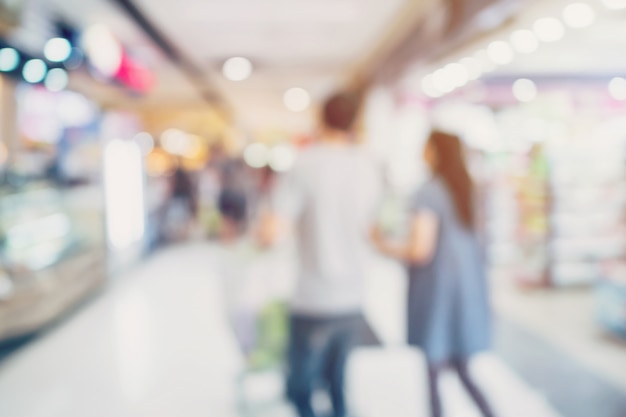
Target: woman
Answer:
[[448, 313]]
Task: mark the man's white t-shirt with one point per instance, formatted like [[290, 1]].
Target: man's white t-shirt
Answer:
[[331, 195]]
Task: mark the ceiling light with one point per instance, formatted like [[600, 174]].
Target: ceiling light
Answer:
[[256, 155], [57, 50], [297, 100], [428, 87], [34, 71], [500, 53], [237, 69], [524, 90], [176, 142], [282, 158], [441, 81], [524, 41], [57, 80], [615, 4], [456, 74], [549, 29], [103, 50], [9, 59], [473, 67], [579, 15], [617, 88]]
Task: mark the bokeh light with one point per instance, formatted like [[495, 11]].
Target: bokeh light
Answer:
[[549, 29], [428, 87], [457, 74], [282, 158], [175, 141], [34, 71], [237, 69], [617, 88], [297, 99], [103, 50], [579, 15], [57, 50], [441, 81], [9, 59], [524, 90], [500, 53], [524, 41], [256, 155], [473, 67], [57, 80]]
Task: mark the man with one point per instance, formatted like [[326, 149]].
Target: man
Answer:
[[330, 197]]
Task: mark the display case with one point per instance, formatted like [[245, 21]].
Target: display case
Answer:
[[52, 254]]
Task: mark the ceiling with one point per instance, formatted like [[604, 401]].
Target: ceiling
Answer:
[[292, 43], [313, 44], [172, 86], [594, 51]]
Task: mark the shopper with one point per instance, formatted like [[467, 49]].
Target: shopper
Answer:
[[181, 211], [233, 196], [448, 313], [329, 197]]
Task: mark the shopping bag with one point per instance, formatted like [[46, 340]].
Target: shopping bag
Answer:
[[257, 288]]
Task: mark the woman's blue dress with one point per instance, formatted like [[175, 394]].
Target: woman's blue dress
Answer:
[[448, 307]]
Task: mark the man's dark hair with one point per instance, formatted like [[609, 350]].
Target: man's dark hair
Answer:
[[341, 111]]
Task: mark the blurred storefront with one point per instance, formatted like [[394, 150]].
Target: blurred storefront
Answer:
[[51, 206], [547, 141], [58, 218]]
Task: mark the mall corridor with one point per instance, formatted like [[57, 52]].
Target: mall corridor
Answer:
[[202, 200], [157, 343]]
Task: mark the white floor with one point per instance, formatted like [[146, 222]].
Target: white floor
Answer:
[[565, 318], [157, 344]]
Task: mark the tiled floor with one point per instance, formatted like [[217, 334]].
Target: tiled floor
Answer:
[[157, 343]]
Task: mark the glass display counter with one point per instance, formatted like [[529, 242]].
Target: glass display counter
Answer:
[[52, 254]]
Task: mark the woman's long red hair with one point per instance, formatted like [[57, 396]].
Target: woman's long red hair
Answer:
[[451, 168]]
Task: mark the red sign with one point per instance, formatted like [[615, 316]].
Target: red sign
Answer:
[[135, 75]]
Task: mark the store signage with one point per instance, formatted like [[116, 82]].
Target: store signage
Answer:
[[134, 75], [110, 59]]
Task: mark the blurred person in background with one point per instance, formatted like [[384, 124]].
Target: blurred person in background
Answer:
[[330, 197], [181, 210], [448, 309], [232, 200]]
